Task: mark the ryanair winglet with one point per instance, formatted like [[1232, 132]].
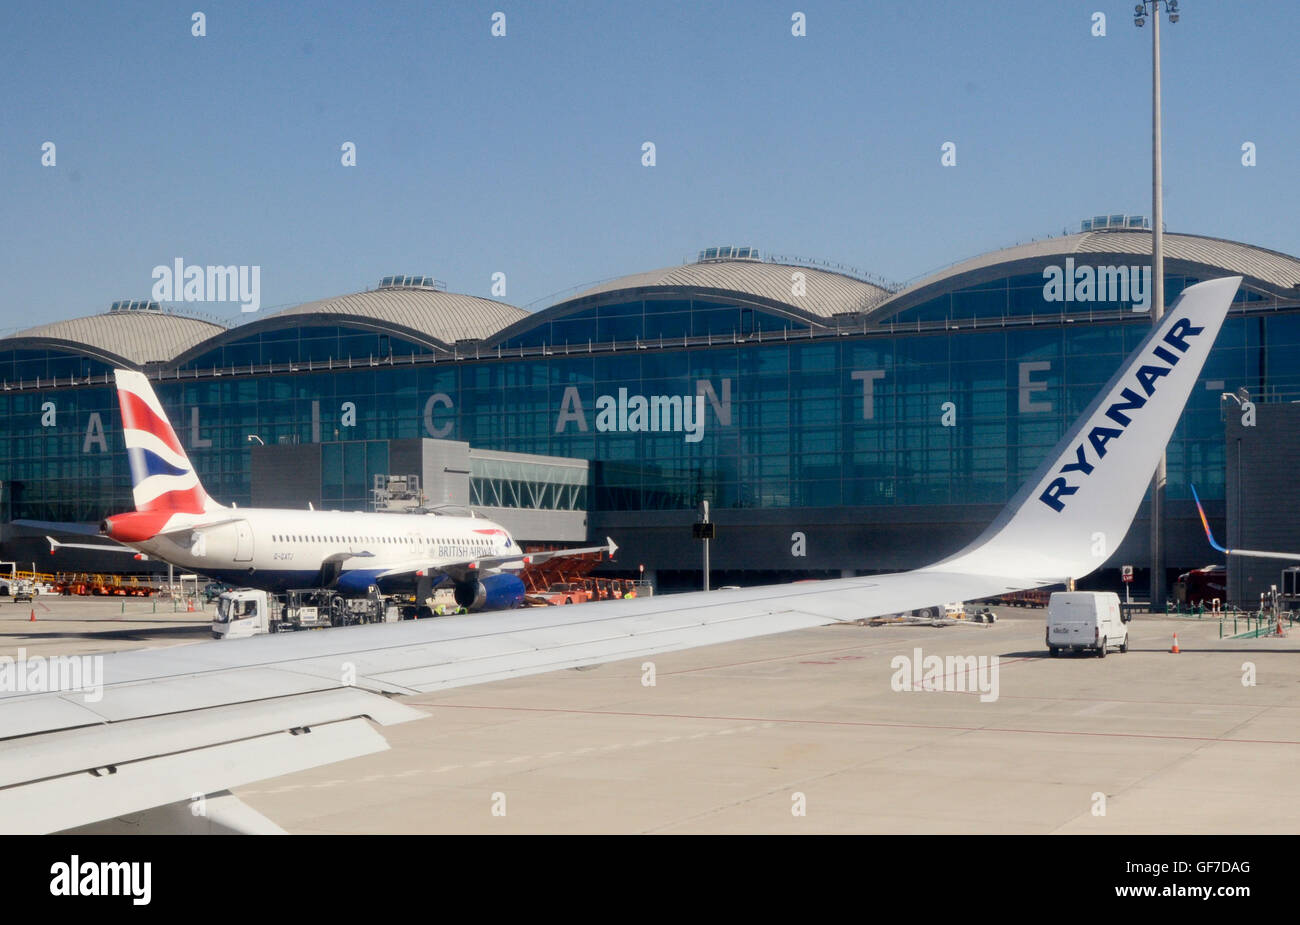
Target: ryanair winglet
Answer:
[[1076, 509]]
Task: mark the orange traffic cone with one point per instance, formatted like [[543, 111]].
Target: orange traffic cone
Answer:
[[1174, 650], [190, 607], [32, 618]]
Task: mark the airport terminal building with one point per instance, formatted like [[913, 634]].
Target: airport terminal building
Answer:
[[836, 425]]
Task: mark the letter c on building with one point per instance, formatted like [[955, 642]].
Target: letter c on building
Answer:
[[438, 398]]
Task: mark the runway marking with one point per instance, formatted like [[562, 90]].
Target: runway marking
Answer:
[[1169, 703], [866, 724]]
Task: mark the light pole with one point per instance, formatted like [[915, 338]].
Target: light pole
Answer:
[[706, 533], [1159, 590]]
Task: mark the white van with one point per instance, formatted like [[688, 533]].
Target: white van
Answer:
[[1088, 620]]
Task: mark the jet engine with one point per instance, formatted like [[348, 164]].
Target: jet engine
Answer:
[[493, 592]]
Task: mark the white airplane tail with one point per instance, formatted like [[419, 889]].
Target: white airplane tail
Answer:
[[1076, 509]]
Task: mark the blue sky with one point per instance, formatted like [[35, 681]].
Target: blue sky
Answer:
[[522, 154]]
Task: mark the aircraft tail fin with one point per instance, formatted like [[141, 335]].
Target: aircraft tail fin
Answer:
[[162, 476], [1075, 510], [1249, 553], [1205, 522]]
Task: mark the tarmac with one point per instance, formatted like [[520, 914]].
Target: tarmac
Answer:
[[805, 733]]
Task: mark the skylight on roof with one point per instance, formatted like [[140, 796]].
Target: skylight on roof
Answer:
[[412, 282], [728, 252]]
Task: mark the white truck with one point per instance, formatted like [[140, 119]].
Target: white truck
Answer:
[[1085, 621], [249, 612], [240, 613]]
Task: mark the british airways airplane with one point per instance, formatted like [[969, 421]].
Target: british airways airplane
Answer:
[[176, 521]]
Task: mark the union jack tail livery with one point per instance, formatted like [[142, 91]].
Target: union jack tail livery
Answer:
[[162, 477]]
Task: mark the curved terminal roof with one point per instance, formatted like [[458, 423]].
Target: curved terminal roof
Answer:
[[768, 286], [136, 337], [433, 316], [430, 316], [427, 316], [1263, 269], [827, 293]]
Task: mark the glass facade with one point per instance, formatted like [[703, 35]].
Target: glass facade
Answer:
[[876, 419], [1031, 295], [527, 484], [347, 473], [653, 321], [302, 345]]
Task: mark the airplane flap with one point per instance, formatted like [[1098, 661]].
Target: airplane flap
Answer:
[[117, 743], [222, 814], [83, 797]]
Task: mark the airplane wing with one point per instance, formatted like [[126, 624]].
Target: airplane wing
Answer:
[[56, 545], [77, 529], [112, 545], [1248, 553], [459, 571], [59, 526], [164, 727]]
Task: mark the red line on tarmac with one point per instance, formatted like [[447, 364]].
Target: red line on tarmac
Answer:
[[802, 655], [862, 723], [1179, 703]]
